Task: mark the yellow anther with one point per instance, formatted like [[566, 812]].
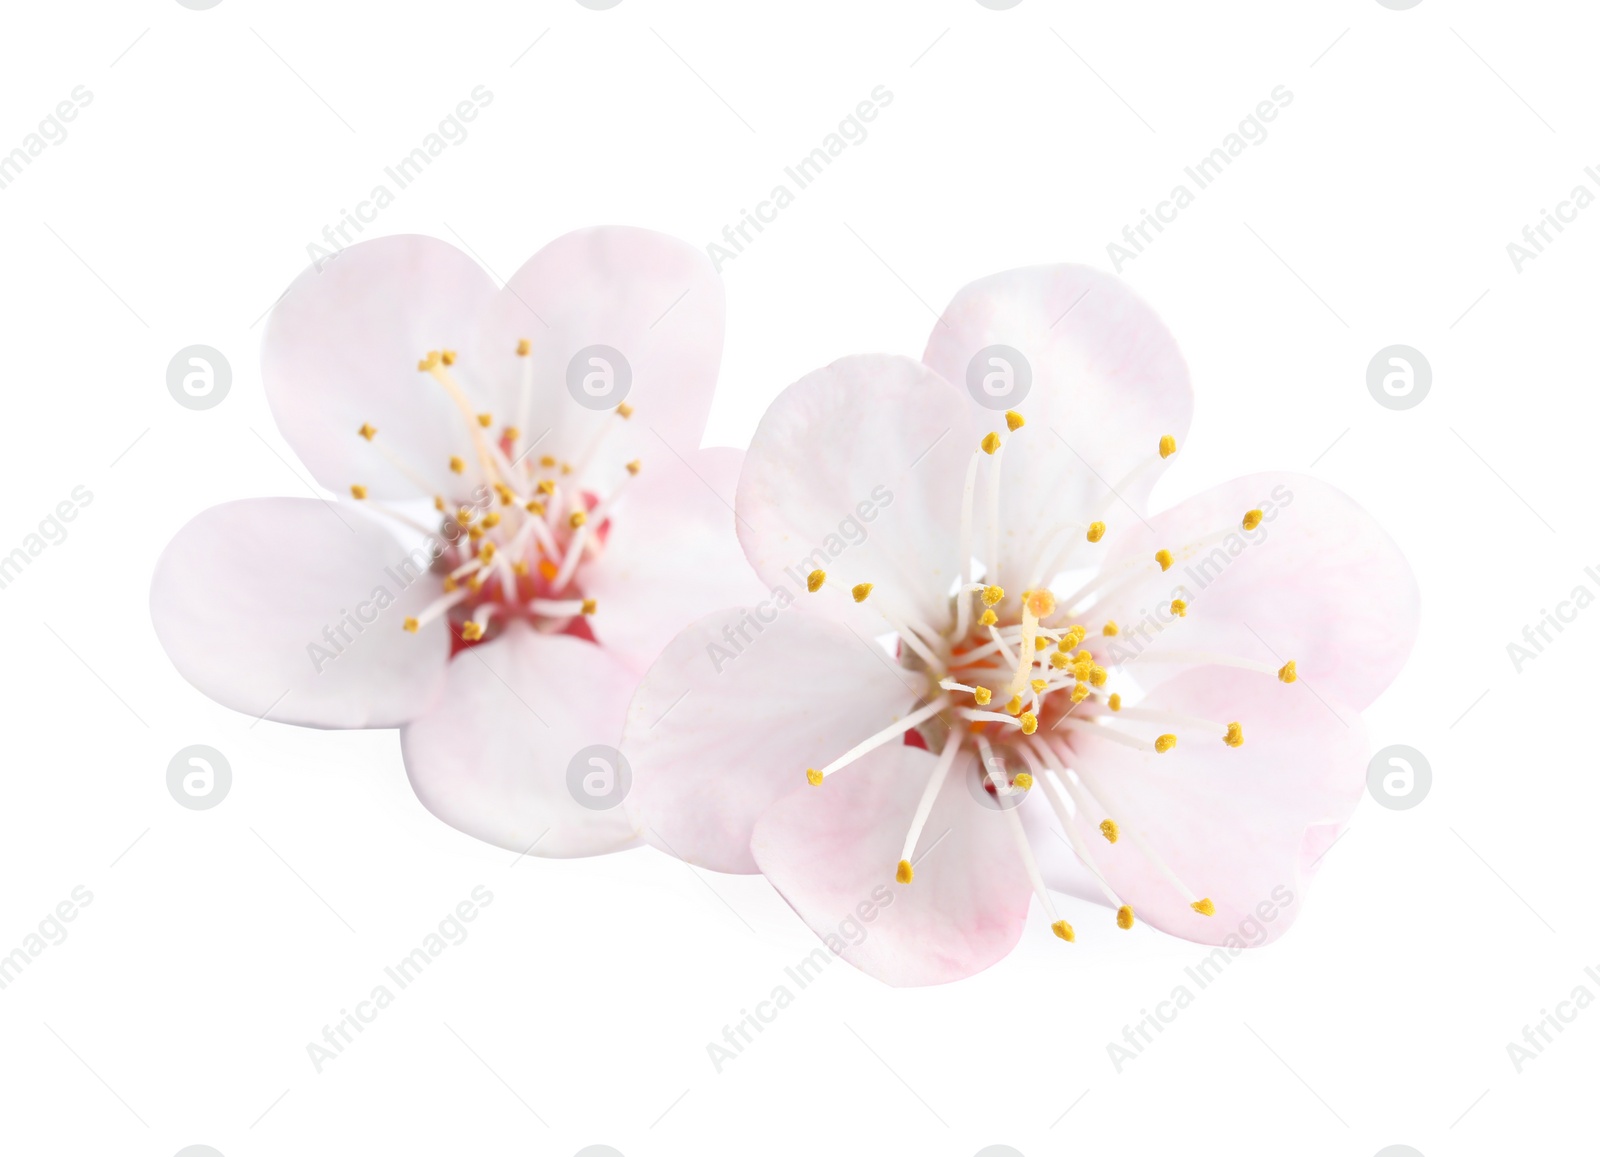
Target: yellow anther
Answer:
[[548, 570], [485, 420], [547, 461], [534, 508], [464, 516], [520, 567], [1058, 660], [512, 433], [367, 431], [486, 552], [860, 591], [1108, 829], [624, 410], [1014, 706], [903, 872], [1084, 656], [1252, 519], [475, 583], [1097, 531], [566, 468], [1072, 638], [1115, 702], [1124, 917], [524, 347], [411, 625], [1097, 676], [438, 503], [992, 595], [1165, 743], [450, 584], [1164, 557], [358, 492], [990, 443], [1235, 736], [491, 520], [1286, 673], [1040, 642], [1180, 608], [981, 696], [815, 579], [456, 465], [546, 486], [813, 777], [1023, 781], [633, 467], [1039, 685], [472, 630], [588, 607], [1204, 907], [1168, 446], [577, 518], [448, 357], [429, 361], [475, 533], [1014, 421], [1041, 602], [988, 619], [1080, 692], [1064, 930], [1110, 628], [1030, 724]]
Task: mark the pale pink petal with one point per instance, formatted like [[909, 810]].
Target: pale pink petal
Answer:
[[1107, 381], [1318, 581], [857, 469], [293, 610], [494, 756], [652, 299], [671, 555], [832, 851], [1241, 826], [733, 713], [341, 350]]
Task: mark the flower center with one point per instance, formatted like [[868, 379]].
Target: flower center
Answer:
[[1013, 677], [514, 550]]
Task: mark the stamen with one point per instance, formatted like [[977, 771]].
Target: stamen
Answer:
[[1020, 836], [930, 792], [860, 591], [1287, 673], [1014, 421], [963, 596], [897, 728], [1252, 519], [1168, 446], [358, 492], [1165, 743], [815, 579]]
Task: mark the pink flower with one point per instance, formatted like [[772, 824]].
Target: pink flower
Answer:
[[513, 543], [1160, 712]]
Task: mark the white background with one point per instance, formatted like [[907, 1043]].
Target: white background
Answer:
[[218, 943]]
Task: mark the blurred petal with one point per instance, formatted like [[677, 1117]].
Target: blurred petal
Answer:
[[493, 755], [652, 299], [1318, 581], [857, 469], [728, 719], [671, 556], [1242, 826], [1107, 381], [832, 851], [289, 609], [341, 350]]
